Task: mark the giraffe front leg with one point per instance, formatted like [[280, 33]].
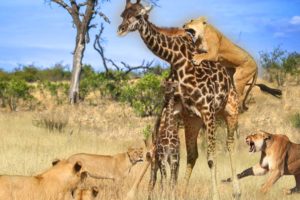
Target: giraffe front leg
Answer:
[[163, 172], [209, 123], [174, 164]]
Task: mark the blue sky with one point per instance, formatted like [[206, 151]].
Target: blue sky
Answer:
[[34, 32]]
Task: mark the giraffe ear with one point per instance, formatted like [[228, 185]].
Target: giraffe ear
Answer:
[[146, 10], [128, 3]]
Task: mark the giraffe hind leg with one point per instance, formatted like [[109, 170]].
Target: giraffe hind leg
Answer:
[[192, 126], [231, 118], [209, 123]]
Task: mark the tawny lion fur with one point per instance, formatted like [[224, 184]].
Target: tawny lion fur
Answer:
[[85, 193], [54, 184], [279, 156], [220, 48], [114, 167]]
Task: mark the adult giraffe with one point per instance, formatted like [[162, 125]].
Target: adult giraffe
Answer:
[[176, 47]]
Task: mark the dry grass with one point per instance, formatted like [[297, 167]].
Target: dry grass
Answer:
[[111, 128]]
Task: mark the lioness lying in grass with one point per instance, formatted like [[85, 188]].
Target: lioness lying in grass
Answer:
[[54, 184]]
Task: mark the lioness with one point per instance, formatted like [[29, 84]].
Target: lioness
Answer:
[[114, 167], [85, 193], [54, 184], [220, 48], [279, 155]]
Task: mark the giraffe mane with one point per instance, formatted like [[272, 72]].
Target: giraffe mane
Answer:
[[171, 31]]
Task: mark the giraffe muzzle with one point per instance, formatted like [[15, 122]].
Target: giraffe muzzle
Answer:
[[122, 30]]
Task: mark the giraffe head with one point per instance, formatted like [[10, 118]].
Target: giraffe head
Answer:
[[132, 17]]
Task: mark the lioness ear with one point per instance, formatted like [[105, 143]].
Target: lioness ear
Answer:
[[266, 135], [77, 166], [95, 191], [54, 162]]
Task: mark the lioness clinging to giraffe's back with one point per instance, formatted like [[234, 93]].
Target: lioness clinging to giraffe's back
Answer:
[[219, 48]]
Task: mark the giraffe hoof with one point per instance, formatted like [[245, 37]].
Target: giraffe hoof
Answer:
[[228, 180], [210, 163]]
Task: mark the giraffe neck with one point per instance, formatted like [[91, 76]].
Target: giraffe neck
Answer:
[[165, 44], [173, 46], [169, 123]]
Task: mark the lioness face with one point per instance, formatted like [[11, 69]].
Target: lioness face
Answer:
[[257, 141], [136, 154], [195, 27]]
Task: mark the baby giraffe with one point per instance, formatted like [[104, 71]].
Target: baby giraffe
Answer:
[[166, 140]]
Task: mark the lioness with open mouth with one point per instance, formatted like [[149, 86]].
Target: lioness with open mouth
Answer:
[[279, 156]]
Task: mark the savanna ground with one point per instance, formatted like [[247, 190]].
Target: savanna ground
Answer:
[[110, 128]]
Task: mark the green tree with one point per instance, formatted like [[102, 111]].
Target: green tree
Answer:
[[15, 91], [291, 65], [146, 95], [272, 62]]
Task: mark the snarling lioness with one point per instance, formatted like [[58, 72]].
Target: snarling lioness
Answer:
[[219, 48], [54, 184], [279, 156], [115, 167]]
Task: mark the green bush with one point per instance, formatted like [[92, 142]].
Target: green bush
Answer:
[[145, 96], [15, 90], [295, 119], [58, 91], [107, 85]]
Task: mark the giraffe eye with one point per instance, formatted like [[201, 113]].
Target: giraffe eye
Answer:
[[139, 17]]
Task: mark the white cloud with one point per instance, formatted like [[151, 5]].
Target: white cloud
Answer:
[[295, 20]]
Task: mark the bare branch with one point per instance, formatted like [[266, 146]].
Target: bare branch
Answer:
[[126, 67], [64, 5], [105, 18], [82, 4], [144, 65], [113, 64], [98, 47]]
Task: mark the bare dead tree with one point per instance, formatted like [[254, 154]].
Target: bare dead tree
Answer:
[[124, 67], [82, 14]]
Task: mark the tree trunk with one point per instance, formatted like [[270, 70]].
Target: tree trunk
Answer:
[[76, 70]]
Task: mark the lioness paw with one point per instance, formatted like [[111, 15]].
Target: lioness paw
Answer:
[[197, 59]]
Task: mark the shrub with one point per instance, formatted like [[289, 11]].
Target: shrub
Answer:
[[14, 91], [145, 96], [295, 119], [52, 120], [58, 91], [147, 132]]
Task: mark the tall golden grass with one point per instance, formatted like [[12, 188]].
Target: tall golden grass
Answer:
[[111, 127]]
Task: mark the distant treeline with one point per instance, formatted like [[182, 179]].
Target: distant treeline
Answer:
[[31, 73]]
